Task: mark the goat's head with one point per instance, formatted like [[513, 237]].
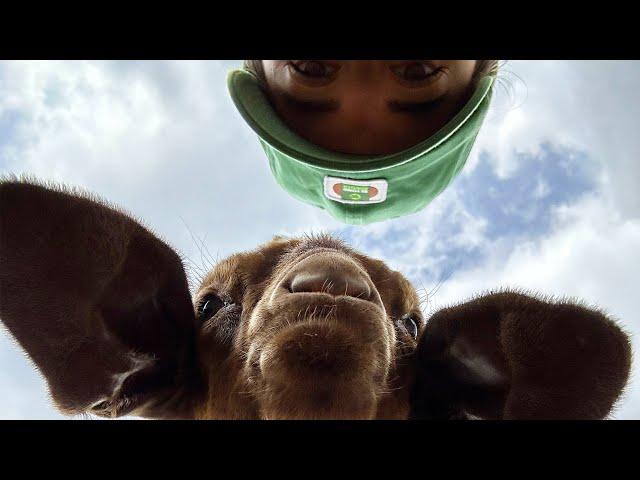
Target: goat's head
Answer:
[[298, 328], [307, 328]]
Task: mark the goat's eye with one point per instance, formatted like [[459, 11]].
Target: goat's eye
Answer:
[[209, 306], [411, 325]]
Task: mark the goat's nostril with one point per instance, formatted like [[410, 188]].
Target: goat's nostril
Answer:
[[350, 285]]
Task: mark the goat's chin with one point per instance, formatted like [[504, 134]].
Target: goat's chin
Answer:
[[320, 370]]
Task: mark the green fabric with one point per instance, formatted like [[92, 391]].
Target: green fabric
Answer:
[[415, 176]]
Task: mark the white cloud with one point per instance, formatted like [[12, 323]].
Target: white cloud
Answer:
[[588, 106], [542, 189]]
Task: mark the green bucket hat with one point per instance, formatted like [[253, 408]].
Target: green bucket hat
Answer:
[[357, 189]]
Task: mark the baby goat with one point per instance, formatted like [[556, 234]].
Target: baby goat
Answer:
[[302, 328]]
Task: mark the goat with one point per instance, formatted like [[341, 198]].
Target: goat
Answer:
[[299, 328]]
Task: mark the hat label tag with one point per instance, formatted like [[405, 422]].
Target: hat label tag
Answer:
[[344, 190]]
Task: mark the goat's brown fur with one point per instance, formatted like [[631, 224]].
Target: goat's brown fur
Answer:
[[310, 329]]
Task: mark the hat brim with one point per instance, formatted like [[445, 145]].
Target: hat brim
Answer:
[[254, 106]]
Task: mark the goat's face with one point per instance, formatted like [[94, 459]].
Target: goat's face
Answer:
[[306, 328]]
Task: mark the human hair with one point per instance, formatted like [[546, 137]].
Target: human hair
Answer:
[[257, 69], [483, 68]]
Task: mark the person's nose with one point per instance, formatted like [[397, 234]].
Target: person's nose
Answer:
[[363, 108]]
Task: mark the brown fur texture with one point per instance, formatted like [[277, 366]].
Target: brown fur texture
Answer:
[[302, 328]]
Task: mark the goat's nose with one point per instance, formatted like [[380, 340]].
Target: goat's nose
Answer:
[[332, 281]]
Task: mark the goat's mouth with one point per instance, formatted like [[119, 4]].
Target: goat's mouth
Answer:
[[320, 357]]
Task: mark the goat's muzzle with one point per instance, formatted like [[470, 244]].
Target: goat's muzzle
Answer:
[[322, 343]]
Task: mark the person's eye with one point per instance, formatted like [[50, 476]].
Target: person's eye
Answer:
[[410, 325], [209, 306], [416, 71], [313, 68]]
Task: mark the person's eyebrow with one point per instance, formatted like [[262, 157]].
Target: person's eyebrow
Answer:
[[398, 106], [310, 106]]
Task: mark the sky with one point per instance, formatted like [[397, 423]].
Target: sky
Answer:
[[547, 203]]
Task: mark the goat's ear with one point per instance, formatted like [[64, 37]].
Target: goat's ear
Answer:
[[511, 356], [100, 304]]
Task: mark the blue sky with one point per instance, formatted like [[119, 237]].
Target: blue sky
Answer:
[[548, 201]]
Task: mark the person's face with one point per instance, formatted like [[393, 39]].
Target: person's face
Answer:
[[368, 107]]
